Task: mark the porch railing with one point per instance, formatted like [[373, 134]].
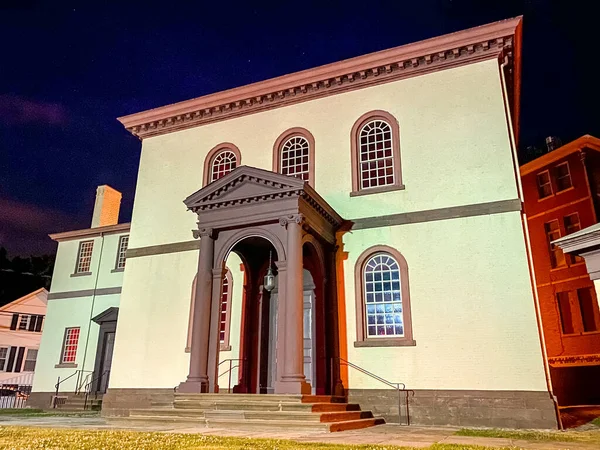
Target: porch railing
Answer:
[[231, 362], [399, 387], [82, 376], [15, 391], [90, 385]]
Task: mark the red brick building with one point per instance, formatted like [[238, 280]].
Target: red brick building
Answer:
[[562, 195]]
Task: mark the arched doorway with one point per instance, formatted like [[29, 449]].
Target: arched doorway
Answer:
[[254, 213]]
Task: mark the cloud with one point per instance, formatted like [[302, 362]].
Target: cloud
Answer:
[[15, 110], [30, 218]]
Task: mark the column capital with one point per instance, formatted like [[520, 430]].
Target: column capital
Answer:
[[202, 232], [292, 218], [219, 273]]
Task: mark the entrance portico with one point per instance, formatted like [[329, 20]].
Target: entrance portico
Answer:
[[247, 205]]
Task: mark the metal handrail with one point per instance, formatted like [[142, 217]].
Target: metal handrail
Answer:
[[78, 372], [400, 387], [88, 387], [230, 360]]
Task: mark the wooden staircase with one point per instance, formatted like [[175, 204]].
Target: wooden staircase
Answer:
[[259, 411]]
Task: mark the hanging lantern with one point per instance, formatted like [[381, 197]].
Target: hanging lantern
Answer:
[[269, 281]]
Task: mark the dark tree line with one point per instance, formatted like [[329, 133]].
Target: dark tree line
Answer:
[[20, 276]]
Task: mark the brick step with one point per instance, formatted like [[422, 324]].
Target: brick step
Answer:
[[262, 424], [252, 415], [265, 406]]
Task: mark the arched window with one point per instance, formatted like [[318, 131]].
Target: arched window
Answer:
[[383, 299], [293, 154], [225, 317], [375, 154], [223, 163], [221, 160]]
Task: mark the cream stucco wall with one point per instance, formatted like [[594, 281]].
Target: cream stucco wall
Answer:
[[76, 311], [453, 137], [473, 314]]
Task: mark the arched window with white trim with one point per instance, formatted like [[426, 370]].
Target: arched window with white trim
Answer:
[[294, 154], [223, 163], [383, 298], [375, 141]]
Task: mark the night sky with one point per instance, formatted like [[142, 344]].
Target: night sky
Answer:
[[67, 72]]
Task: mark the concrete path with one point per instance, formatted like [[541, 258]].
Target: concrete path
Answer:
[[383, 435]]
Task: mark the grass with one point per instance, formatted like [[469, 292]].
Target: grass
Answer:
[[18, 438], [596, 421], [588, 437], [33, 412]]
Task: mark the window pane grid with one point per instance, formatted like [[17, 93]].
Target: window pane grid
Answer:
[[123, 242], [563, 177], [70, 346], [224, 304], [383, 297], [295, 156], [23, 322], [85, 257], [223, 163], [571, 226], [376, 160], [544, 184], [557, 257], [3, 357], [30, 360]]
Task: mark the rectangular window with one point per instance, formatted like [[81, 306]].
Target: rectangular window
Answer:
[[563, 177], [557, 258], [123, 242], [30, 360], [571, 226], [564, 310], [84, 257], [24, 321], [587, 308], [3, 357], [69, 351], [544, 184]]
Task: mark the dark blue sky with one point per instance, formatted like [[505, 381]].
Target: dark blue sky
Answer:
[[67, 72]]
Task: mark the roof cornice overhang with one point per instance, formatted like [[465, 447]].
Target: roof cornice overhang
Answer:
[[584, 142], [499, 40], [580, 242], [90, 232]]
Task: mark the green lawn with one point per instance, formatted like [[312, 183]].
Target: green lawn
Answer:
[[589, 437], [17, 438], [33, 412]]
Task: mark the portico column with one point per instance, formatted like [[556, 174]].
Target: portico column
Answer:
[[197, 380], [292, 379]]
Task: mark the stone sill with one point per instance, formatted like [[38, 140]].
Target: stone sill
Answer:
[[65, 366], [81, 274], [386, 343], [118, 270], [377, 190]]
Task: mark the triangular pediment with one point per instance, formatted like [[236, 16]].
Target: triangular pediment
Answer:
[[244, 184]]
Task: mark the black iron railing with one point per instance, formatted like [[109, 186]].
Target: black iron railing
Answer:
[[399, 387], [90, 385], [79, 383], [231, 361]]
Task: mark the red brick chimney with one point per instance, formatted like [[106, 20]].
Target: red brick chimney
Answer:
[[106, 208]]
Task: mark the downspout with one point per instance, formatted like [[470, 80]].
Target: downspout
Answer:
[[536, 299], [87, 339]]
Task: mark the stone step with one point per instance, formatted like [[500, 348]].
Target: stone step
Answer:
[[244, 415], [265, 406], [262, 424], [262, 397]]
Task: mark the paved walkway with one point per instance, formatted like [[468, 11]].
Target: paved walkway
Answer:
[[388, 434]]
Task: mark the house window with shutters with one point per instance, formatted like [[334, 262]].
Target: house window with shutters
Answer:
[[27, 322], [3, 358], [30, 360]]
